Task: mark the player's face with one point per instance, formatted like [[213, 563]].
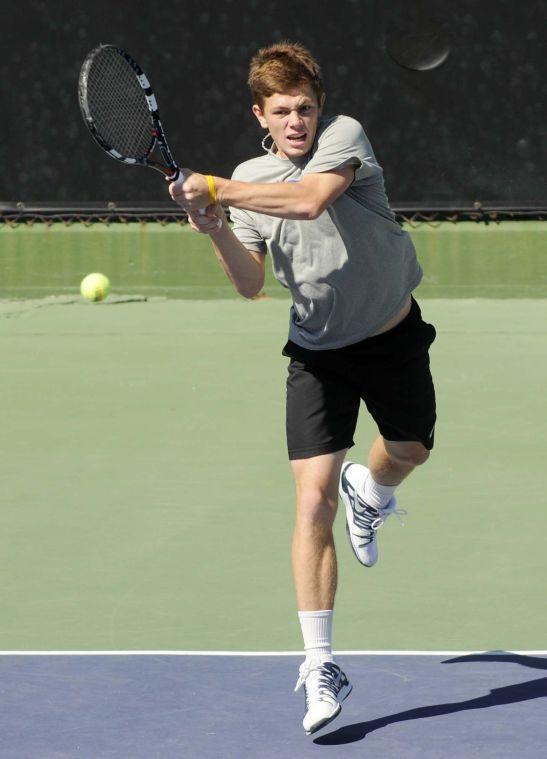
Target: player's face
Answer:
[[291, 118]]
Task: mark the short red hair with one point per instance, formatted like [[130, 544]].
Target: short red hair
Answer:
[[283, 67]]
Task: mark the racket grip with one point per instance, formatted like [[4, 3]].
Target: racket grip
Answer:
[[178, 176]]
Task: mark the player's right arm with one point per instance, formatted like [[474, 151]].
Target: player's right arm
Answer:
[[244, 268]]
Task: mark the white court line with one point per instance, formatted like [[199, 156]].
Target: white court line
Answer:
[[268, 653]]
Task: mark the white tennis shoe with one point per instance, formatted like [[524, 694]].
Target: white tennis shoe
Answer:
[[325, 686], [363, 521]]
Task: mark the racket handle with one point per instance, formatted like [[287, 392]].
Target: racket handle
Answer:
[[178, 175]]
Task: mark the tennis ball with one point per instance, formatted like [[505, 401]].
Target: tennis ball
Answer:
[[95, 287]]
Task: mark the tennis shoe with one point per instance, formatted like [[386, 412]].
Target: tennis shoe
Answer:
[[363, 521], [325, 686]]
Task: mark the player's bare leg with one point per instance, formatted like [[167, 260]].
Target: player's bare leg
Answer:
[[391, 461], [315, 577], [313, 554]]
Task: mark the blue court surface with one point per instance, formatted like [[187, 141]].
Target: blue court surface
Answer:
[[158, 705]]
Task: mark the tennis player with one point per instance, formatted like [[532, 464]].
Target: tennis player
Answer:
[[315, 199]]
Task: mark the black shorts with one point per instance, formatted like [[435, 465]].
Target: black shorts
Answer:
[[389, 372]]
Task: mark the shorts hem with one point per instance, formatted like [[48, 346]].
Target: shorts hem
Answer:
[[320, 450], [427, 444]]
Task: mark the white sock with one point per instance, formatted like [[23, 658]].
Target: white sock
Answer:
[[317, 633], [377, 495]]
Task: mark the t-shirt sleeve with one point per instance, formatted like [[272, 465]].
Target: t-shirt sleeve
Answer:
[[343, 144], [244, 225], [245, 229]]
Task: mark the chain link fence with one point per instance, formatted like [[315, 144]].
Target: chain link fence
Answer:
[[16, 214]]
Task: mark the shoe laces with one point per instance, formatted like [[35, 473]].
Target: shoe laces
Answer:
[[368, 519], [319, 680]]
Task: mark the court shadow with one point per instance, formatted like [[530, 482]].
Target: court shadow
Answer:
[[509, 694], [536, 662]]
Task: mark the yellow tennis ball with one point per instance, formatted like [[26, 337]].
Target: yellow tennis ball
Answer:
[[95, 287]]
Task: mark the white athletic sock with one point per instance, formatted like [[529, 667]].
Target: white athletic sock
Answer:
[[377, 495], [317, 633]]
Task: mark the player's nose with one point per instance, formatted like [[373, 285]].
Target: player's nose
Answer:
[[295, 119]]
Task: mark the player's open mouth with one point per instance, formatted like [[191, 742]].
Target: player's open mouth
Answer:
[[297, 139]]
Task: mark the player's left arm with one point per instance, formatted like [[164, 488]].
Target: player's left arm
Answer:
[[305, 199]]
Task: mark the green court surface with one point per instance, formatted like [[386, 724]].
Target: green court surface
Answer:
[[146, 499]]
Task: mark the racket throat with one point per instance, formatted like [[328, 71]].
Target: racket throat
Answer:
[[171, 170]]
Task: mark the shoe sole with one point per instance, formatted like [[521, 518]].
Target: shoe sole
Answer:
[[333, 716], [349, 515]]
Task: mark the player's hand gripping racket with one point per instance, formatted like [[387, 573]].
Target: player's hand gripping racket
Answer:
[[121, 112]]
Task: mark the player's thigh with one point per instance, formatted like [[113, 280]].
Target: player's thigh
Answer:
[[321, 412]]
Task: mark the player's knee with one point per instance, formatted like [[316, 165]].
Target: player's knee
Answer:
[[407, 453], [420, 456], [315, 509]]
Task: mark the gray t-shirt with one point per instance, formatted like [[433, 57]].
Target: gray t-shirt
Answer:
[[350, 270]]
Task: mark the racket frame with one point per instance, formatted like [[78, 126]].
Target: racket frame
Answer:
[[170, 170]]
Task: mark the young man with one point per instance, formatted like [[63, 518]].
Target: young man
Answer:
[[316, 200]]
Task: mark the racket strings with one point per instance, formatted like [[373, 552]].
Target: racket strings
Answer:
[[118, 106]]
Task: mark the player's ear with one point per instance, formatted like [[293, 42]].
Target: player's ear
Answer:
[[257, 110], [322, 102]]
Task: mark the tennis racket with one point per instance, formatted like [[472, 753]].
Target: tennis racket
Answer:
[[121, 112]]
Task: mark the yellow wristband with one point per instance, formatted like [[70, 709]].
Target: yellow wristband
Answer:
[[212, 192]]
